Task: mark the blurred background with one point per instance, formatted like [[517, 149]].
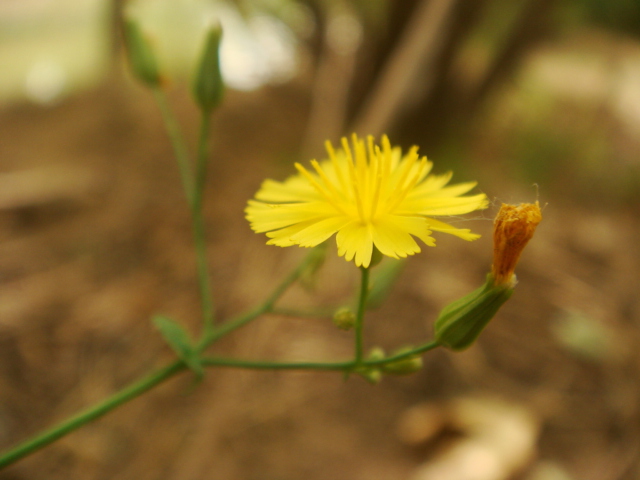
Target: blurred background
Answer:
[[536, 99]]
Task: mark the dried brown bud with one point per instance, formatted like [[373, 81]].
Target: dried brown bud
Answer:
[[513, 228]]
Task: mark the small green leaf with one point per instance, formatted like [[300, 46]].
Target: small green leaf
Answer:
[[180, 342]]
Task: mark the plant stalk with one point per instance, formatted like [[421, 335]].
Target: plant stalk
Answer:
[[67, 426], [362, 305]]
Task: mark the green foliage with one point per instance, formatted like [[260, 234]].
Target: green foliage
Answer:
[[180, 342]]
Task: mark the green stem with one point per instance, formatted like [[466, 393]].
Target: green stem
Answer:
[[289, 312], [326, 366], [179, 147], [129, 393], [204, 280], [147, 383], [194, 191], [263, 365], [201, 159], [409, 353], [267, 306], [362, 305]]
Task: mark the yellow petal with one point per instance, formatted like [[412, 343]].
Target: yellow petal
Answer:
[[319, 231], [392, 235], [283, 236], [434, 183], [442, 206], [268, 216], [445, 192], [294, 189], [355, 241], [464, 233]]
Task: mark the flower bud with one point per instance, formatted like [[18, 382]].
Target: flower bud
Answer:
[[460, 323], [344, 318], [208, 87], [372, 374], [405, 366], [513, 228], [377, 353], [141, 55]]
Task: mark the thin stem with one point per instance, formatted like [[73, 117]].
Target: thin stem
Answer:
[[401, 356], [345, 366], [194, 191], [201, 159], [362, 304], [267, 306], [129, 393], [289, 312], [179, 147], [262, 365], [204, 280]]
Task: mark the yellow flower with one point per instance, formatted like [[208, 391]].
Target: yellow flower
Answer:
[[513, 228], [369, 195]]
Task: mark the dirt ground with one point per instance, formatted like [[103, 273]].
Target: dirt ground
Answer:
[[95, 239]]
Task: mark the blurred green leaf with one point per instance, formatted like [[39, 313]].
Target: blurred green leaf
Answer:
[[180, 342]]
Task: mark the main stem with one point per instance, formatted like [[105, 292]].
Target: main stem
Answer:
[[71, 424], [320, 366], [265, 307], [138, 388], [362, 305], [199, 236], [179, 148], [193, 186]]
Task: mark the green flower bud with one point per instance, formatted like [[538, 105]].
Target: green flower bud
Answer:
[[141, 55], [208, 87], [373, 374], [377, 353], [460, 323], [344, 318], [405, 366]]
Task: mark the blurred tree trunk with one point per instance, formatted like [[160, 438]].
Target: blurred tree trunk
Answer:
[[436, 103]]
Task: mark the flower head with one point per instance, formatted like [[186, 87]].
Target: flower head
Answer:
[[369, 195], [513, 228]]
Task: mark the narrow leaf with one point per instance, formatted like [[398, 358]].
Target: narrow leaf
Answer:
[[180, 342]]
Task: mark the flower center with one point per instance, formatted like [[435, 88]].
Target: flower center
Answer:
[[365, 182]]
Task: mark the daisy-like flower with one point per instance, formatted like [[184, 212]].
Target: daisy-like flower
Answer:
[[369, 195]]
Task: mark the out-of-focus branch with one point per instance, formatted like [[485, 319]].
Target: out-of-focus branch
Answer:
[[409, 67], [333, 78], [526, 29]]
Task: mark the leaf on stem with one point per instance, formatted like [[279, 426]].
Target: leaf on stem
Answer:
[[180, 342]]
